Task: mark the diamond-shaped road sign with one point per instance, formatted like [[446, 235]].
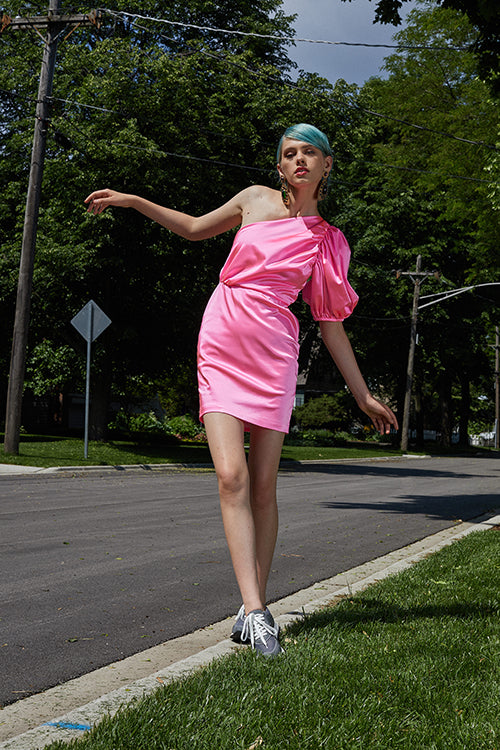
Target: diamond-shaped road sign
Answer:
[[91, 321]]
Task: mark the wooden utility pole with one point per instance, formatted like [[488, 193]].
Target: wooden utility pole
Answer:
[[55, 25], [418, 277]]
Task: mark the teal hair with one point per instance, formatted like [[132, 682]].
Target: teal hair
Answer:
[[307, 134]]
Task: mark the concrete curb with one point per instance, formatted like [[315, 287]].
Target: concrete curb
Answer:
[[72, 723], [285, 465]]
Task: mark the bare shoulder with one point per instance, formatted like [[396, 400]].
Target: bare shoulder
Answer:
[[260, 203]]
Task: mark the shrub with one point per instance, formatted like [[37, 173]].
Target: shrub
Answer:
[[324, 412], [317, 438], [185, 427], [342, 438], [141, 427]]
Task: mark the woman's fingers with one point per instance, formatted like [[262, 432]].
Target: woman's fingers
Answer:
[[101, 199], [382, 417]]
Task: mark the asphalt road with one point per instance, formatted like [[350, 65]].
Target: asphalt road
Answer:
[[98, 567]]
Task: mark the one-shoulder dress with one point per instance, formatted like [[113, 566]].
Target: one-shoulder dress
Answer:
[[248, 342]]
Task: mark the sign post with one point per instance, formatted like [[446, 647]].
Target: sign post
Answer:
[[90, 322]]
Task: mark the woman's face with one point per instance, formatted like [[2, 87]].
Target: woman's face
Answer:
[[302, 164]]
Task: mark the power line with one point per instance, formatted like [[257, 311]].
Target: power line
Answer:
[[297, 87], [453, 293], [189, 157], [287, 39], [261, 169], [242, 166], [426, 171], [291, 84], [344, 103]]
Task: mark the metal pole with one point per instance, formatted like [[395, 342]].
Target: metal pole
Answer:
[[21, 321], [411, 359], [87, 383]]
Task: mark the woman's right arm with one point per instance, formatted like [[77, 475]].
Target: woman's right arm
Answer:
[[220, 220]]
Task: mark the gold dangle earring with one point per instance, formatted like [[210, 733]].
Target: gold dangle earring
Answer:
[[323, 187], [284, 191]]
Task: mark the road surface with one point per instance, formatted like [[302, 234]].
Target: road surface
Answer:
[[96, 567]]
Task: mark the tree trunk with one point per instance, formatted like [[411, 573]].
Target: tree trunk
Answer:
[[463, 440], [445, 407], [99, 405]]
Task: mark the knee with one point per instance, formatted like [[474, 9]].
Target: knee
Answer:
[[263, 495], [233, 483]]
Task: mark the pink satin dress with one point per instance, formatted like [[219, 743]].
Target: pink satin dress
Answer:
[[248, 343]]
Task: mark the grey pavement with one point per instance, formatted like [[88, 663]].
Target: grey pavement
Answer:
[[99, 566]]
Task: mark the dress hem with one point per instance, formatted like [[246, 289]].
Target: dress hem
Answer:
[[246, 423]]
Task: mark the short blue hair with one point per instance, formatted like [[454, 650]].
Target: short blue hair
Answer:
[[307, 134]]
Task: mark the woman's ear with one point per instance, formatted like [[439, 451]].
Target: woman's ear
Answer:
[[329, 163]]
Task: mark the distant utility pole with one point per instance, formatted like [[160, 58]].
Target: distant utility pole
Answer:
[[56, 25], [418, 277]]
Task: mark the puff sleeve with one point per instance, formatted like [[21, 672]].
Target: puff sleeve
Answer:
[[328, 292]]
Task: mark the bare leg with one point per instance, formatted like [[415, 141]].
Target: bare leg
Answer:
[[225, 438], [263, 463]]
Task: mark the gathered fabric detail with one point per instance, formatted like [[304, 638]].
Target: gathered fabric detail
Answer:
[[328, 292]]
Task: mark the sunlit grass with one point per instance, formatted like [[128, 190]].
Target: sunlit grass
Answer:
[[46, 451], [412, 662]]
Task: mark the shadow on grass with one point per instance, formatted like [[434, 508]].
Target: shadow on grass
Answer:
[[351, 613], [39, 438], [181, 452]]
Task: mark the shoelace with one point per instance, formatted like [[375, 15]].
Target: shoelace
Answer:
[[256, 627], [241, 613]]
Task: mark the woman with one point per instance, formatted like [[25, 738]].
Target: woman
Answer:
[[248, 346]]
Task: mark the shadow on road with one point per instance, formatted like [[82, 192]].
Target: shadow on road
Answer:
[[462, 507], [378, 469]]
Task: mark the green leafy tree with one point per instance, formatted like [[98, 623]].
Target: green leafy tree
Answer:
[[484, 17], [430, 194], [183, 116]]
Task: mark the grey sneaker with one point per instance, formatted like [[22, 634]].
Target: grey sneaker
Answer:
[[240, 621], [262, 635]]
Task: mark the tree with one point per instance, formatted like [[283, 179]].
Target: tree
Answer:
[[427, 193], [483, 15], [182, 116], [176, 102]]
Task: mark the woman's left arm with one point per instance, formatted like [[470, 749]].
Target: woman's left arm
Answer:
[[338, 345]]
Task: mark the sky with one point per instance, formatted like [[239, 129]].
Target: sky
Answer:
[[338, 21]]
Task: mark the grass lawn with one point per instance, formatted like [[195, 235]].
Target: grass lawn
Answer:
[[46, 451], [412, 662]]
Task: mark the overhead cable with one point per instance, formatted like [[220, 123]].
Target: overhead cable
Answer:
[[297, 87], [356, 161], [278, 37]]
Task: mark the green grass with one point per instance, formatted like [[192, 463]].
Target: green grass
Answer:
[[411, 663], [46, 451], [55, 451]]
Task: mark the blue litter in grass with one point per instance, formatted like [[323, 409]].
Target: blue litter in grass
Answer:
[[67, 725]]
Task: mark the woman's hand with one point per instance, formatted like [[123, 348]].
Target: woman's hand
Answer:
[[380, 414], [99, 200], [339, 347]]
